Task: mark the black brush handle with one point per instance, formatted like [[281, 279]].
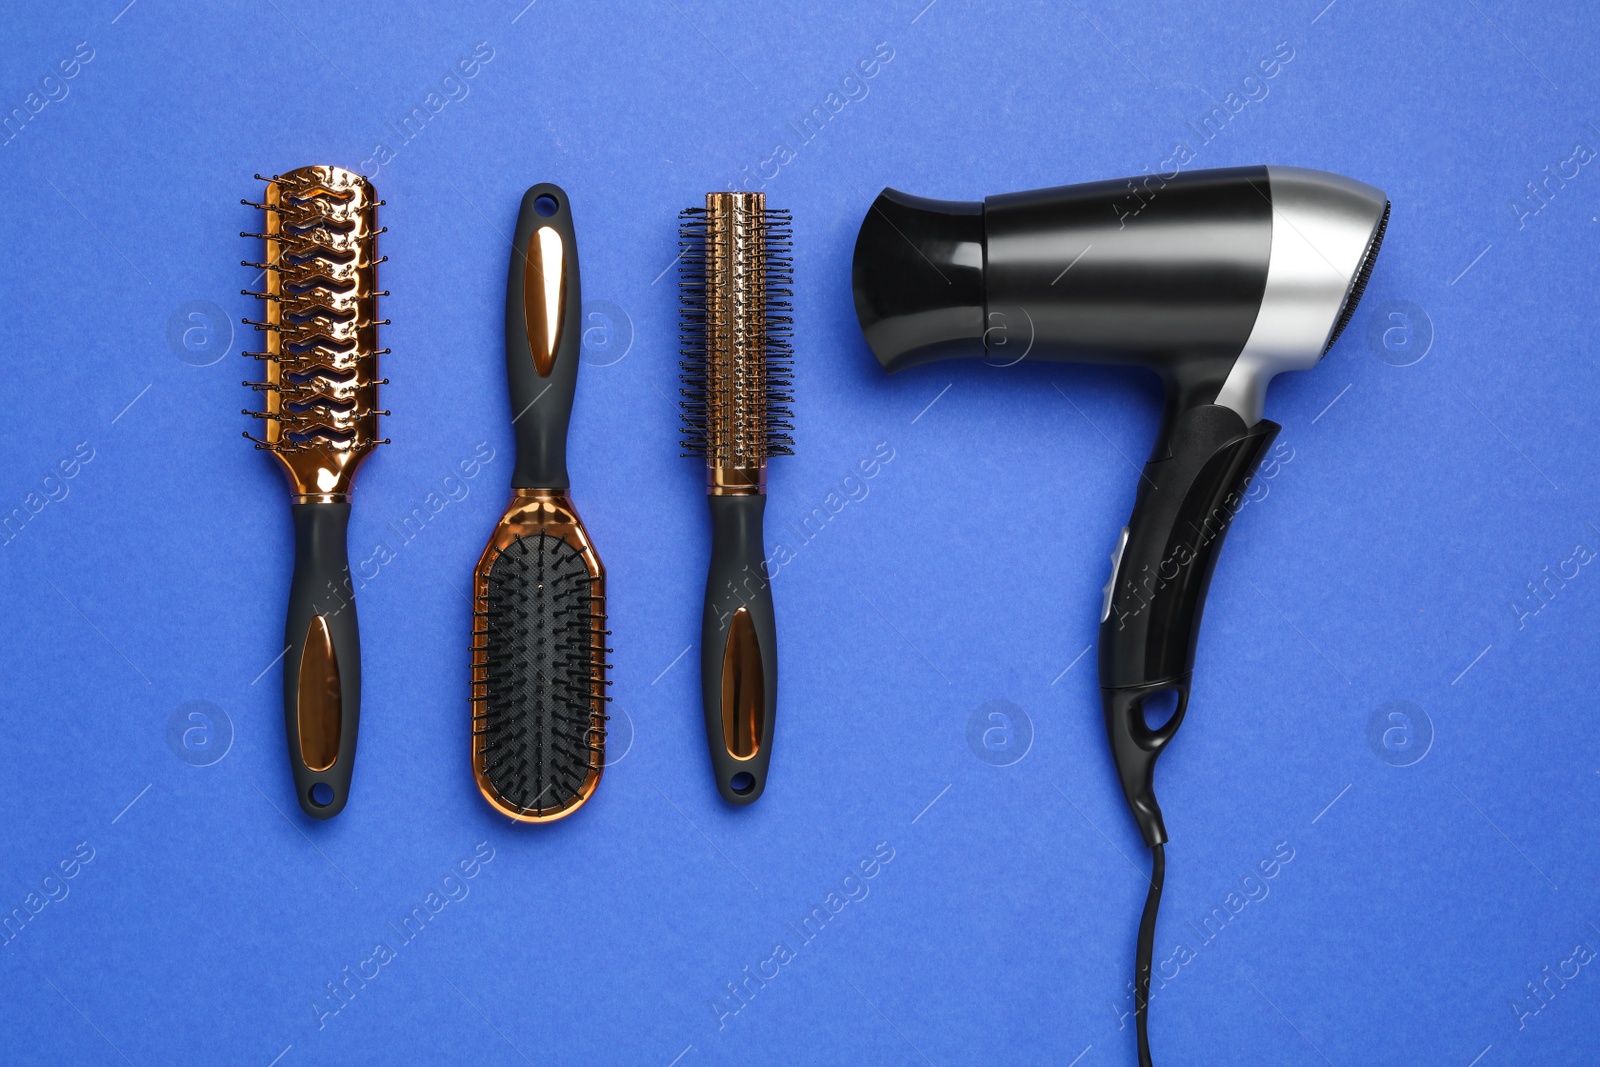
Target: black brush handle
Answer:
[[740, 689], [1188, 495], [321, 727], [541, 403]]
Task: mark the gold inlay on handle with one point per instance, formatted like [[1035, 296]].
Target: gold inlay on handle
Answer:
[[544, 293], [744, 698], [319, 706]]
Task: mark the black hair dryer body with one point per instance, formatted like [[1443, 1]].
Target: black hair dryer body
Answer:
[[1216, 280]]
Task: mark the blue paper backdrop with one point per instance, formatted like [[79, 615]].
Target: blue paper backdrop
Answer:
[[1393, 711]]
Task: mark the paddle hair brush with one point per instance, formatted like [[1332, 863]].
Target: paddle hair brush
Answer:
[[539, 608], [735, 277], [320, 412]]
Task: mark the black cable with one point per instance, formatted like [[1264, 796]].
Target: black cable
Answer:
[[1146, 951]]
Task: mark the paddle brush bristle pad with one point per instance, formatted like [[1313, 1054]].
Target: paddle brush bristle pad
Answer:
[[541, 732]]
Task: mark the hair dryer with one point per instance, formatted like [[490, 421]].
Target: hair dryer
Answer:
[[1216, 280]]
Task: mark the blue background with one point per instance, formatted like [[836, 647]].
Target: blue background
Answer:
[[1441, 457]]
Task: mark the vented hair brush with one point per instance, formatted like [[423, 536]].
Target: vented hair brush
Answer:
[[320, 410], [539, 630], [735, 277]]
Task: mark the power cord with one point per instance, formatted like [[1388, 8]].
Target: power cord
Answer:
[[1146, 952]]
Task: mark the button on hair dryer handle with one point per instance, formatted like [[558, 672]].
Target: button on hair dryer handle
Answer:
[[1150, 620]]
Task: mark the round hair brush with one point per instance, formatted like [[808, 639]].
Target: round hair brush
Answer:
[[539, 617], [735, 278], [320, 409]]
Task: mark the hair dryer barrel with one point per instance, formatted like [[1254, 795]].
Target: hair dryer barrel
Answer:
[[1195, 276], [1085, 273]]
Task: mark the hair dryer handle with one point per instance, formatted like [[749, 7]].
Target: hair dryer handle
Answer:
[[1161, 569]]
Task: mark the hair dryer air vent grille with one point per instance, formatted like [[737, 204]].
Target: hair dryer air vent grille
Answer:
[[1362, 275]]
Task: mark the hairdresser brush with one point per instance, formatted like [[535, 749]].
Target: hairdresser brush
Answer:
[[735, 276], [539, 629], [320, 411]]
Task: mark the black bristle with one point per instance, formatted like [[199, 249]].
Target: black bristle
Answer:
[[780, 333], [692, 327], [542, 730]]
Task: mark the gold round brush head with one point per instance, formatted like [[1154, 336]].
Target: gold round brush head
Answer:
[[735, 285]]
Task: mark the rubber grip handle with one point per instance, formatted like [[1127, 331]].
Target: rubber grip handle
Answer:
[[544, 301], [322, 660], [739, 650], [1150, 619]]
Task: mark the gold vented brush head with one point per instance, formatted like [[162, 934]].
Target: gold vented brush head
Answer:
[[321, 381], [736, 275]]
